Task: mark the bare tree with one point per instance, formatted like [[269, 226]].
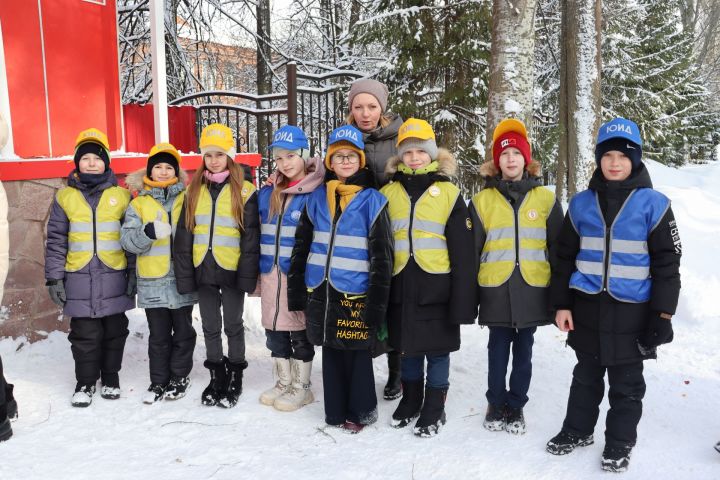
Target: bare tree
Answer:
[[511, 64], [580, 112]]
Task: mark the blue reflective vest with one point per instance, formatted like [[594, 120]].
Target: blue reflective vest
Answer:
[[343, 248], [627, 276], [276, 245]]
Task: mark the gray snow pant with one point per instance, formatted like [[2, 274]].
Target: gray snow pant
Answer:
[[232, 302]]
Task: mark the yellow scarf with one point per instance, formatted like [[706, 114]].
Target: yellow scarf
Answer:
[[150, 184], [346, 192]]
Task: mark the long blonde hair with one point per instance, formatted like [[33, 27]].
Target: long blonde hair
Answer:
[[237, 177]]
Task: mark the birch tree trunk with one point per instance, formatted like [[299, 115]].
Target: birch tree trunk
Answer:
[[511, 64], [580, 108], [264, 73]]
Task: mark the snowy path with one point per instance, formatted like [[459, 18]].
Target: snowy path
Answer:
[[183, 440]]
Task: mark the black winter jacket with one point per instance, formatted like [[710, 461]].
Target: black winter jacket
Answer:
[[209, 272], [380, 147], [605, 328], [426, 310], [330, 314], [515, 304]]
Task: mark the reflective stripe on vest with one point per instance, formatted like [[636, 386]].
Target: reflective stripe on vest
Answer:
[[95, 231], [225, 234], [628, 273], [270, 237], [345, 243], [423, 236], [500, 255], [155, 263]]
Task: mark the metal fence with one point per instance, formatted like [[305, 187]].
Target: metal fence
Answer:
[[314, 102]]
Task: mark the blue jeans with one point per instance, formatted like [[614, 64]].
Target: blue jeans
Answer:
[[438, 370], [498, 356]]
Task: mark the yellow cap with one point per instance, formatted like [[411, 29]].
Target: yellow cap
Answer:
[[415, 128], [510, 125], [92, 135], [217, 137], [166, 148]]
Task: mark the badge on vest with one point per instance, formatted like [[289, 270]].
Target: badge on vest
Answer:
[[468, 223], [113, 201], [244, 192], [532, 214], [295, 215], [434, 191]]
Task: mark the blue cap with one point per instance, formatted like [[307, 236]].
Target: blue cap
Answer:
[[622, 135], [620, 128], [347, 133], [291, 138]]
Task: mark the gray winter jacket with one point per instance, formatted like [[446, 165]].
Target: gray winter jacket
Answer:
[[153, 292], [380, 146], [95, 290]]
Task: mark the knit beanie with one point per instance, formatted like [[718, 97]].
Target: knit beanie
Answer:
[[367, 85], [94, 148], [511, 139], [162, 157], [345, 136]]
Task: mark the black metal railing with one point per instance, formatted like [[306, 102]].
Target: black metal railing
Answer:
[[314, 102]]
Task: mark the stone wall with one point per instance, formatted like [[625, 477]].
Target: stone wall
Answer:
[[26, 307]]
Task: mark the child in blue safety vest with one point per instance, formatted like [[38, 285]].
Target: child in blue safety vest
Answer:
[[340, 273], [148, 231], [281, 205], [433, 268], [88, 273], [516, 221], [216, 254], [614, 287]]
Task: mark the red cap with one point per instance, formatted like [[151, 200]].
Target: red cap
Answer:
[[511, 139]]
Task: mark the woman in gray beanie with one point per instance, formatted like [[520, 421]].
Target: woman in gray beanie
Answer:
[[367, 101]]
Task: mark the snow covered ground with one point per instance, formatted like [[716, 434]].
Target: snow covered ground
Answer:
[[184, 440]]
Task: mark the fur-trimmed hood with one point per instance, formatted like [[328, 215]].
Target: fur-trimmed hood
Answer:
[[489, 170], [445, 159], [134, 180]]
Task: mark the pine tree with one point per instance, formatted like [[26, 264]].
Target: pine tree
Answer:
[[437, 69]]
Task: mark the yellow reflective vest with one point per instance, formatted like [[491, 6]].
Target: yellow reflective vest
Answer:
[[216, 228], [419, 230], [500, 255], [94, 232], [155, 263]]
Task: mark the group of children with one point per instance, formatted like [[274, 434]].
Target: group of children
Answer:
[[357, 270]]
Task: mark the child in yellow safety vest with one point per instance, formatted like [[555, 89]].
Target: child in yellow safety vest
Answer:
[[216, 253], [516, 220], [148, 231], [429, 297], [88, 273]]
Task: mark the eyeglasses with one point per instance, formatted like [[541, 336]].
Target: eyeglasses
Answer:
[[352, 159]]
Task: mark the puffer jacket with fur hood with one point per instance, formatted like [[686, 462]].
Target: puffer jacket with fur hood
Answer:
[[153, 292], [426, 310]]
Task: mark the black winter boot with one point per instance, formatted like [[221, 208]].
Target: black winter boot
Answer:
[[565, 442], [393, 387], [432, 415], [5, 427], [216, 388], [233, 387], [409, 407], [10, 402], [616, 458]]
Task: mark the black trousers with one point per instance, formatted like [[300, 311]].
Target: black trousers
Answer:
[[3, 400], [627, 389], [97, 346], [349, 386], [293, 344], [171, 343]]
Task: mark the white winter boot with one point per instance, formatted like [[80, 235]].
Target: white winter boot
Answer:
[[299, 393], [281, 368]]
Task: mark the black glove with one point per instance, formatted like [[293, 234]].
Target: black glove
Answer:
[[658, 332], [56, 289], [131, 284]]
